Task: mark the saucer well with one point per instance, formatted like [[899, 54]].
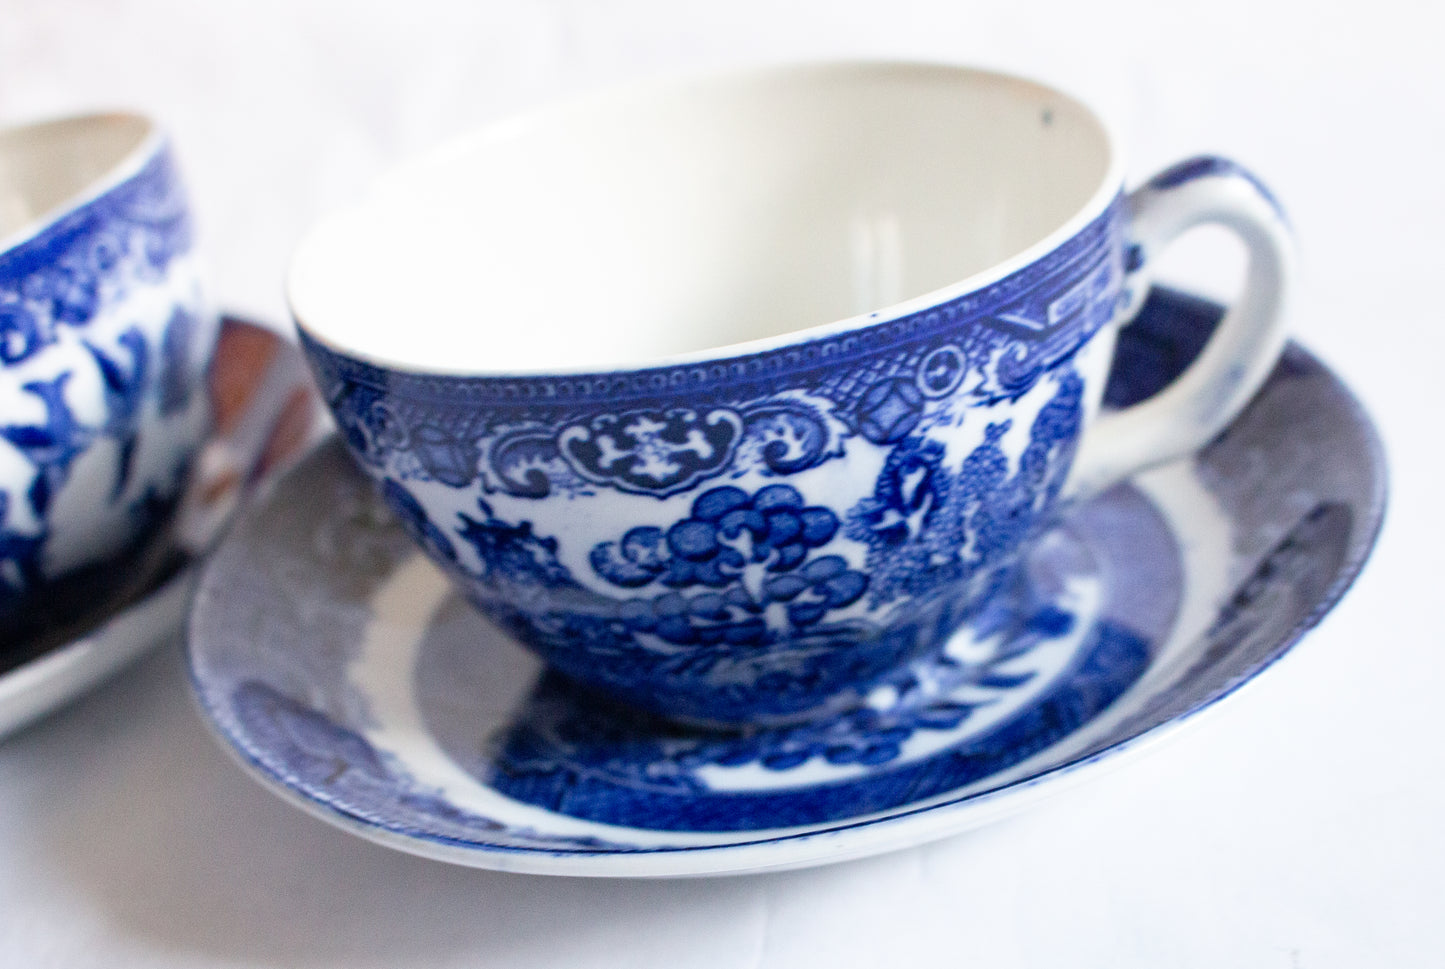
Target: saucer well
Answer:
[[265, 415], [345, 674]]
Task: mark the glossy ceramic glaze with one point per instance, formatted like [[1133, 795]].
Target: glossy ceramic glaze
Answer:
[[265, 414], [105, 337], [594, 363], [345, 673]]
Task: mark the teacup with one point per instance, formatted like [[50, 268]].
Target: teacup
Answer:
[[731, 395], [105, 335]]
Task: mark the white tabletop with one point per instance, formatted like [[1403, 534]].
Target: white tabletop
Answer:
[[1298, 826]]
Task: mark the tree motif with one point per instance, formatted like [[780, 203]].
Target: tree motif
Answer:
[[925, 525], [513, 554], [747, 557]]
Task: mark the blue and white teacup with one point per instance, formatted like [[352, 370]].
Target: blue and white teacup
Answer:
[[730, 396], [105, 337]]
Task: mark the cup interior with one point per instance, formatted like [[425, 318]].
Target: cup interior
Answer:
[[47, 167], [670, 220]]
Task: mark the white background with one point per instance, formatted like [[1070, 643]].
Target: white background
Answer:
[[1300, 825]]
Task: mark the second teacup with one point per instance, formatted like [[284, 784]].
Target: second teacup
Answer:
[[105, 336], [730, 396]]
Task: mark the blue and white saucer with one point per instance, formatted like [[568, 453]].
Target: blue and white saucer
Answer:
[[347, 676]]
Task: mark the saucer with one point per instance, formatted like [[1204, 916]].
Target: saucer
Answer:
[[265, 414], [344, 673]]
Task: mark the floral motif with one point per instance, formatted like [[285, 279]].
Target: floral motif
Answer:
[[62, 277], [1316, 555]]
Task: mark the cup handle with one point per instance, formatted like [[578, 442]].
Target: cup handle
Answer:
[[1185, 415]]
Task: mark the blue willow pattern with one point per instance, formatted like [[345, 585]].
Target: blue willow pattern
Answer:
[[55, 287], [760, 599]]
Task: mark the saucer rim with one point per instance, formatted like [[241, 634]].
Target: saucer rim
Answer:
[[866, 835]]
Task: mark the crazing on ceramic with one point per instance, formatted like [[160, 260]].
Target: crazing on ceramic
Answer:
[[104, 340], [347, 674]]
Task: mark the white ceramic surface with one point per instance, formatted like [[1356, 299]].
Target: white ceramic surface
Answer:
[[336, 665], [105, 337], [1299, 830], [266, 414], [759, 523]]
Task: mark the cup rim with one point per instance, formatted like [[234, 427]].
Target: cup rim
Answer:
[[1103, 196], [122, 170]]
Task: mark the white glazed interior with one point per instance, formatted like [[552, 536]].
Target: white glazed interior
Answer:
[[665, 221], [49, 167]]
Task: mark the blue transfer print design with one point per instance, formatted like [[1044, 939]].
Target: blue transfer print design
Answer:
[[1058, 645], [921, 515], [746, 616], [67, 322], [746, 606], [729, 535], [1302, 528], [51, 447], [652, 453], [746, 598], [577, 756], [740, 619], [57, 279], [320, 753], [983, 347], [733, 584]]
